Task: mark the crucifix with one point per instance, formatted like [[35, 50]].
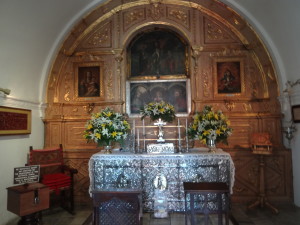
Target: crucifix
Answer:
[[160, 123]]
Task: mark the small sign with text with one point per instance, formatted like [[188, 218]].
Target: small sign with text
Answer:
[[26, 174]]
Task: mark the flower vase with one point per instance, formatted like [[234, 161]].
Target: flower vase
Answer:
[[107, 149], [211, 144]]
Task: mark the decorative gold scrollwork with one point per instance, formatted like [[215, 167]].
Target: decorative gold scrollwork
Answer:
[[196, 50], [156, 11], [229, 105], [118, 55], [247, 107], [89, 107], [67, 96]]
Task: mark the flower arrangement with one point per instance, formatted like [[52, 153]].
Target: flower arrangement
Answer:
[[106, 127], [209, 124], [156, 110]]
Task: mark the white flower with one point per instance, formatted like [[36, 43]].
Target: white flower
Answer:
[[155, 111], [92, 135], [125, 135], [212, 135]]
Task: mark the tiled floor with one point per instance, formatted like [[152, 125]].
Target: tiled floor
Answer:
[[288, 215]]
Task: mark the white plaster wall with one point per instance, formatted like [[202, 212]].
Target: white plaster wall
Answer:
[[13, 152], [33, 30], [30, 35]]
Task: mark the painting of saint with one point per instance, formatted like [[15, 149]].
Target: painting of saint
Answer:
[[228, 77], [158, 94], [177, 97], [139, 98], [88, 82]]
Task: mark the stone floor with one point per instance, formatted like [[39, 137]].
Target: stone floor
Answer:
[[288, 215]]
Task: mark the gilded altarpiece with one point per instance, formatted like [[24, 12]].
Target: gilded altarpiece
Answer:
[[101, 39]]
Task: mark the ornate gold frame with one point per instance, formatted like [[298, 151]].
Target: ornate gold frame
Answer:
[[11, 118], [96, 71], [237, 87]]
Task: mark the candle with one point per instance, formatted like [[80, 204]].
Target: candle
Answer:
[[186, 126], [144, 135], [143, 127], [179, 136], [186, 135], [138, 138], [133, 127]]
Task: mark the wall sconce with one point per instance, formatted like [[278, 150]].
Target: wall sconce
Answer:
[[5, 91], [289, 131]]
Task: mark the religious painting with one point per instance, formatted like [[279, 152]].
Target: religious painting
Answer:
[[175, 92], [88, 81], [229, 77], [296, 113], [157, 53], [14, 121]]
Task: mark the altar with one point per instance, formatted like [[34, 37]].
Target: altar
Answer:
[[166, 172]]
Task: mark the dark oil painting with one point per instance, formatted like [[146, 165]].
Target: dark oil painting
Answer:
[[89, 81], [228, 77], [142, 93], [157, 53]]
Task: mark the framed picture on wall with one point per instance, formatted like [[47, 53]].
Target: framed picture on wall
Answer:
[[175, 92], [296, 113], [14, 121], [89, 81], [228, 76], [157, 53]]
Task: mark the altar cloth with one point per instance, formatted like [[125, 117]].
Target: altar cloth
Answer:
[[141, 171]]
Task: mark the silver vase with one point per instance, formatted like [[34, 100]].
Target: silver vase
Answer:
[[107, 149], [211, 144]]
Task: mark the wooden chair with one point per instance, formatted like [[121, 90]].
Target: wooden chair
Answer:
[[55, 174], [207, 197], [117, 207]]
